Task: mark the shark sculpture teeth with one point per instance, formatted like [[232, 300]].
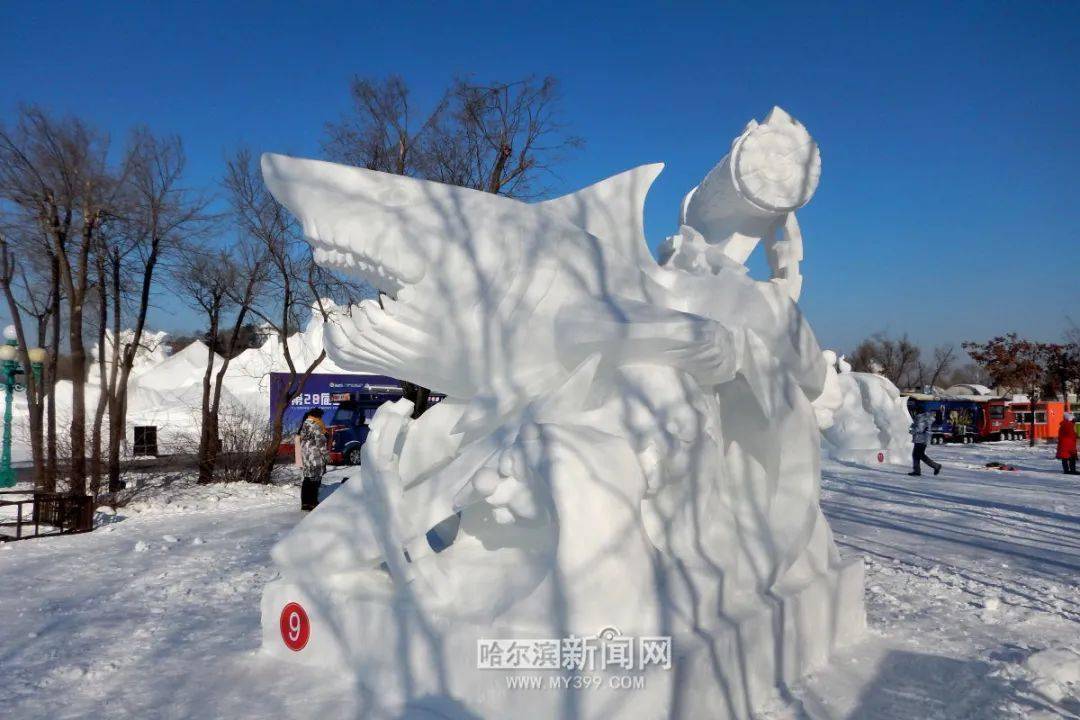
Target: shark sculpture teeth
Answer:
[[376, 274], [321, 195]]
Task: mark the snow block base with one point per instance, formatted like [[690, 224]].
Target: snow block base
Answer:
[[870, 458], [410, 663]]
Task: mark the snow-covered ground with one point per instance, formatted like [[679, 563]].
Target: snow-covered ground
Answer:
[[972, 595], [973, 589]]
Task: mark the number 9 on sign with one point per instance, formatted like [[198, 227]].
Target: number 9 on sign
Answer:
[[295, 627]]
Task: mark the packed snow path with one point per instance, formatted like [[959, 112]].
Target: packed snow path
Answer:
[[990, 532], [973, 590], [972, 595]]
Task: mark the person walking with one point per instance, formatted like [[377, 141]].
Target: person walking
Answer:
[[313, 456], [1066, 445], [922, 430]]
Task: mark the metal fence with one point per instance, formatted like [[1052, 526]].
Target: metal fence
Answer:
[[40, 514]]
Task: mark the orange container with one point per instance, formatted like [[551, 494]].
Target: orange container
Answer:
[[1048, 416]]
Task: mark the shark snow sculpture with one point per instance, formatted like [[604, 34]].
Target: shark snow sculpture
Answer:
[[627, 451]]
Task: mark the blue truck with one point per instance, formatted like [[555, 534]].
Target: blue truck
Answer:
[[348, 401], [955, 420], [349, 425]]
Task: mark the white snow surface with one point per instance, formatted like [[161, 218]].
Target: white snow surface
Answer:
[[972, 595]]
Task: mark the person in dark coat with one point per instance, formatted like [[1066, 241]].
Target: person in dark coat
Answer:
[[1066, 445], [313, 455], [922, 430]]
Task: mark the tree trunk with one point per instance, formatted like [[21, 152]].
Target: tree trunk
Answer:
[[116, 439], [209, 434], [116, 416], [99, 412], [266, 464], [495, 181], [117, 430], [128, 358], [77, 481], [208, 426], [296, 384], [49, 383], [75, 285], [209, 447]]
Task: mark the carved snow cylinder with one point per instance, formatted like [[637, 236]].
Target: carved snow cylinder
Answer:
[[772, 169]]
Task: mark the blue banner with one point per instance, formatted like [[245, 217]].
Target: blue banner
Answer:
[[326, 391]]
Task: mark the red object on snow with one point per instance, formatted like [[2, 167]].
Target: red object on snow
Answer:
[[295, 627], [881, 457], [1066, 446]]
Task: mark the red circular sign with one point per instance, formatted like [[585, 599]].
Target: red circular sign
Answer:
[[881, 457], [295, 627]]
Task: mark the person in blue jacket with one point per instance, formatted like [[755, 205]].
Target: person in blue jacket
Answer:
[[921, 432]]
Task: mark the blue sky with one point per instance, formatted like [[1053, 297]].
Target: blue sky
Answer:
[[949, 133]]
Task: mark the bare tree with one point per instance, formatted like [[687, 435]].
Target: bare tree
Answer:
[[293, 284], [1067, 367], [896, 359], [379, 134], [52, 345], [161, 213], [217, 283], [103, 364], [501, 137], [56, 172], [930, 373]]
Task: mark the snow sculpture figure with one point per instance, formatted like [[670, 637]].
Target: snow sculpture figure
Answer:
[[862, 416], [627, 449]]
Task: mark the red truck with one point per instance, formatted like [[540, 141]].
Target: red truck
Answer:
[[998, 421]]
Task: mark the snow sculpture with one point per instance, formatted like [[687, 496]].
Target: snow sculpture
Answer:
[[627, 449], [862, 417]]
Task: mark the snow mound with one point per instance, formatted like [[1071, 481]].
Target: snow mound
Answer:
[[180, 370]]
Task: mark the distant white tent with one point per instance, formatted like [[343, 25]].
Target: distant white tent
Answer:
[[165, 391]]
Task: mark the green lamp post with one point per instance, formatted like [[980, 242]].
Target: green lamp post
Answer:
[[12, 369]]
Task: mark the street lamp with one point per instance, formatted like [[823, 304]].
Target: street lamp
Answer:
[[11, 369]]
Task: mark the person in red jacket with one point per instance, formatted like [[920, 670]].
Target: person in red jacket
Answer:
[[1066, 448]]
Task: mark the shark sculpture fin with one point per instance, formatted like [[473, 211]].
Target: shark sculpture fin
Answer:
[[613, 210]]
